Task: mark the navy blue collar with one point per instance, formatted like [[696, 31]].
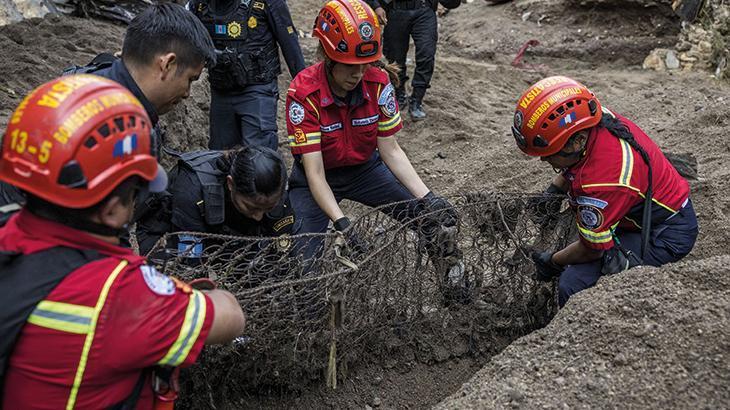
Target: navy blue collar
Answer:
[[119, 73]]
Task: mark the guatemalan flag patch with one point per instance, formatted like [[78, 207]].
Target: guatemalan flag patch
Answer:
[[567, 120]]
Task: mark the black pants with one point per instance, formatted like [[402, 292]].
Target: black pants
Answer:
[[248, 118], [420, 24]]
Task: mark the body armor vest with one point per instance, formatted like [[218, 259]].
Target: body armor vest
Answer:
[[245, 44], [203, 164]]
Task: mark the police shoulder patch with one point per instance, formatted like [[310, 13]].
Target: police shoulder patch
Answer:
[[296, 113], [157, 282], [588, 200], [589, 217], [387, 102]]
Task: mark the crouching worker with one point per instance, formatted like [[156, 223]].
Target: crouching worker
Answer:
[[342, 117], [237, 192], [86, 323], [633, 207]]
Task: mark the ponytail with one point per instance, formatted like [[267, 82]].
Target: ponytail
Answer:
[[257, 171]]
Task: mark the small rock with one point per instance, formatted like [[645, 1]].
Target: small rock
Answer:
[[367, 407], [377, 402], [526, 15], [656, 60], [441, 155], [516, 395], [671, 60], [377, 380], [560, 380], [620, 360]]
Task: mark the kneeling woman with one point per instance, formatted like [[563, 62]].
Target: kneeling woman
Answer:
[[633, 207], [342, 116], [239, 192]]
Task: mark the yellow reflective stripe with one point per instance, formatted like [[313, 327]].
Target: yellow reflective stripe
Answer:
[[612, 184], [312, 138], [313, 107], [627, 163], [595, 237], [90, 336], [390, 124], [189, 332], [63, 317], [377, 93]]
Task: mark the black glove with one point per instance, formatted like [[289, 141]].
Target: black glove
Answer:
[[546, 207], [448, 217], [545, 268], [355, 244]]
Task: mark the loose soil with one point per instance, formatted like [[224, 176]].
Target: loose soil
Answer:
[[466, 145]]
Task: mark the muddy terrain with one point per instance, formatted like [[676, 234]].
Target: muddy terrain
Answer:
[[648, 337]]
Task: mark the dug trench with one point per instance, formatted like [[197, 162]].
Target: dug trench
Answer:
[[465, 146]]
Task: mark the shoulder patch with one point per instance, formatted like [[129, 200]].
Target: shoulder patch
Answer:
[[589, 217], [157, 282], [387, 102], [587, 200], [296, 113]]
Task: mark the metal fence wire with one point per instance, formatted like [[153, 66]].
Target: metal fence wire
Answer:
[[409, 291]]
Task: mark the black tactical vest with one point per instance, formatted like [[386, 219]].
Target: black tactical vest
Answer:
[[244, 40], [203, 164]]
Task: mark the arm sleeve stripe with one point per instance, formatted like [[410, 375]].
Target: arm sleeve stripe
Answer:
[[189, 332], [390, 124]]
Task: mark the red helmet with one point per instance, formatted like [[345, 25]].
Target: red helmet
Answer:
[[74, 139], [349, 32], [550, 112]]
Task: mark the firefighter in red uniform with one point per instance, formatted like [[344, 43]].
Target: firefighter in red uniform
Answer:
[[342, 116], [632, 206], [86, 323]]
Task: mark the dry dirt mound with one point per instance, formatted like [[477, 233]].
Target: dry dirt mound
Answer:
[[647, 338]]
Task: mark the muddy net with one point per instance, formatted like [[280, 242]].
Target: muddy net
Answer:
[[407, 292]]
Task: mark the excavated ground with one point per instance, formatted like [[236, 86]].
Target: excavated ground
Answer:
[[650, 337]]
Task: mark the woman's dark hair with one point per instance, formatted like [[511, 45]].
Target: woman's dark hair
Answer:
[[257, 171]]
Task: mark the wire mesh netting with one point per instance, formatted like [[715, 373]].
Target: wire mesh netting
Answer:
[[405, 290]]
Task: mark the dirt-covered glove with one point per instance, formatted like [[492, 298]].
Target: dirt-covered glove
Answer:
[[546, 207], [448, 216], [355, 245], [545, 268]]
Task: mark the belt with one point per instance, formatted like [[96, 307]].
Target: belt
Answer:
[[410, 4]]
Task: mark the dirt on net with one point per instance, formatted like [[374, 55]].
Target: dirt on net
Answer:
[[465, 145]]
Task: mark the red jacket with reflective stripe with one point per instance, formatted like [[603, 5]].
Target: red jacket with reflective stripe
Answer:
[[346, 135], [143, 321], [611, 180]]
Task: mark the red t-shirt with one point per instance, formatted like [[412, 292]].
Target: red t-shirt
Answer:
[[345, 134], [144, 321], [612, 179]]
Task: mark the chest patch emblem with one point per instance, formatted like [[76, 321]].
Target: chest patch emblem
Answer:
[[234, 29], [360, 122], [589, 217], [157, 282], [387, 101], [331, 128], [296, 113], [252, 22]]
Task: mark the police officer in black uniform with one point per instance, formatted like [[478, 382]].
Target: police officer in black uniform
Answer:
[[244, 90], [239, 192], [406, 19], [164, 50]]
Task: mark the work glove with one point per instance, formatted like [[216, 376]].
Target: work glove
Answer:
[[546, 207], [355, 245], [545, 268], [433, 203]]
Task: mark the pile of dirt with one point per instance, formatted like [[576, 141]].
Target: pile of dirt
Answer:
[[704, 43], [647, 338]]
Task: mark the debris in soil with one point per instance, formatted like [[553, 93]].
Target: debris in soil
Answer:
[[646, 338]]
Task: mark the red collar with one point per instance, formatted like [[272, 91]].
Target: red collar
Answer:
[[27, 233]]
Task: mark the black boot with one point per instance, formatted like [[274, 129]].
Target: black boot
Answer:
[[400, 96], [415, 104]]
